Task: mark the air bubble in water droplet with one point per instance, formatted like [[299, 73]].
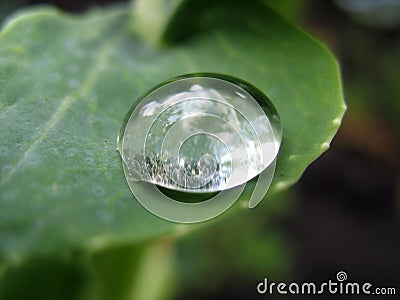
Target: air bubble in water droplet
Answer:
[[200, 133]]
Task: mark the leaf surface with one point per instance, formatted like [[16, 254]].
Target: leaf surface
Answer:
[[66, 83]]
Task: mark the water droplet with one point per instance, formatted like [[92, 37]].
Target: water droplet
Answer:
[[89, 160], [55, 77], [74, 83], [19, 146], [73, 68], [98, 190], [3, 150], [32, 160], [103, 216], [70, 152], [200, 133], [6, 169], [80, 53]]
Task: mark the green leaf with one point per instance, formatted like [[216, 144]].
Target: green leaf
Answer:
[[66, 83]]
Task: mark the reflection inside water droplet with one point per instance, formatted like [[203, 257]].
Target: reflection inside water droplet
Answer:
[[200, 133]]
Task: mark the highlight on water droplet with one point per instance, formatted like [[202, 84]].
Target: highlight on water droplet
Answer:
[[200, 133]]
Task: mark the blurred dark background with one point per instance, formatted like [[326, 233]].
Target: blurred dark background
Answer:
[[344, 214]]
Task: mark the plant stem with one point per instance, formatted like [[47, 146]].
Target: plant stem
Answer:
[[136, 272], [153, 278]]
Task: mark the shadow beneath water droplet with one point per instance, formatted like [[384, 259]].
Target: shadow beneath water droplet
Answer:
[[186, 197]]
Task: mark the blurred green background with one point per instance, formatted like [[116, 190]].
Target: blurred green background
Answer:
[[343, 214]]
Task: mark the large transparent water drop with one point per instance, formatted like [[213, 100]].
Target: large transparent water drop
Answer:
[[200, 133]]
